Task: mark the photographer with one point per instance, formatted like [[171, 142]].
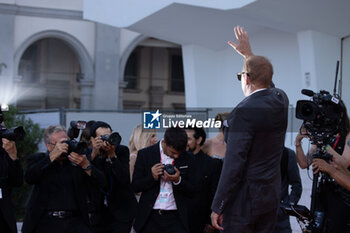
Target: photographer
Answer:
[[11, 175], [335, 199], [116, 202], [58, 202], [164, 174]]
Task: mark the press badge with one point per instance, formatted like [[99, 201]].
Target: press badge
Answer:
[[0, 193]]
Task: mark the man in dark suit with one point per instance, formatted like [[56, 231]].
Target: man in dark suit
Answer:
[[290, 177], [249, 190], [58, 202], [11, 175], [206, 181], [116, 202], [165, 195]]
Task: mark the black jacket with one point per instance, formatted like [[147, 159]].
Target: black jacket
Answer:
[[250, 182], [11, 176], [290, 177], [122, 203], [144, 182], [39, 173], [207, 177]]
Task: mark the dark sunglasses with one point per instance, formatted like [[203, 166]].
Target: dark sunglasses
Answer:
[[239, 75]]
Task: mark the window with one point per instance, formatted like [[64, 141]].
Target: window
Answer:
[[177, 83], [130, 74]]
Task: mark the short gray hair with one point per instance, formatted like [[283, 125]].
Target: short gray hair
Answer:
[[51, 130]]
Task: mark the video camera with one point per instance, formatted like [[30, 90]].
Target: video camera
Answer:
[[322, 116], [73, 133], [13, 134]]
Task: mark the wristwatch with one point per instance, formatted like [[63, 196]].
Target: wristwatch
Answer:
[[87, 168], [111, 159]]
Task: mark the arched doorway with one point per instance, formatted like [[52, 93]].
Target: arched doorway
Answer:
[[52, 54], [153, 76], [51, 71]]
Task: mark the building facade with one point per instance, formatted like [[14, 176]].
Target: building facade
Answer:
[[51, 57]]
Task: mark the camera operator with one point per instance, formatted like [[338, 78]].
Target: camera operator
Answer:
[[335, 200], [337, 170], [164, 173], [58, 202], [11, 175], [116, 202]]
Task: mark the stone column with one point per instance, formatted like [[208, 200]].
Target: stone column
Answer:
[[106, 89]]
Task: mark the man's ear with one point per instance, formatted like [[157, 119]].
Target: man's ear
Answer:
[[247, 80]]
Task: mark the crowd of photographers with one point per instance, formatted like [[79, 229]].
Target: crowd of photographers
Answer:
[[85, 186]]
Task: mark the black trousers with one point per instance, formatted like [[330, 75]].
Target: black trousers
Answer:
[[114, 227], [337, 214], [4, 228], [263, 223], [51, 224], [167, 222]]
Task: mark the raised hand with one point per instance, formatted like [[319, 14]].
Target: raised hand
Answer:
[[243, 46], [10, 147]]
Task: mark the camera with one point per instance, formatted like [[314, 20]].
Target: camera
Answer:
[[73, 132], [113, 139], [169, 168], [323, 119], [322, 116], [77, 147], [13, 134]]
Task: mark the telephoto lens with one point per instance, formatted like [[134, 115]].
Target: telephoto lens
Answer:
[[113, 139]]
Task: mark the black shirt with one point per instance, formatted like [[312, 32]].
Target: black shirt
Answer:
[[61, 193]]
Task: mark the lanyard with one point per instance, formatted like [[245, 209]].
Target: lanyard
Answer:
[[336, 142]]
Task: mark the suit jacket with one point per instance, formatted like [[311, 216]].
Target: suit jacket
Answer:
[[207, 177], [290, 177], [121, 198], [144, 182], [12, 177], [250, 179], [39, 173]]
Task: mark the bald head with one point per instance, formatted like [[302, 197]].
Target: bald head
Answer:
[[260, 71]]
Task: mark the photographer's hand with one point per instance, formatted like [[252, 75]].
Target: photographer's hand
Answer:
[[80, 160], [157, 170], [10, 148], [96, 145], [338, 160], [60, 148], [321, 165], [243, 46], [173, 178], [110, 149]]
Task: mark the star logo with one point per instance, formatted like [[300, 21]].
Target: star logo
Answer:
[[156, 115], [151, 120]]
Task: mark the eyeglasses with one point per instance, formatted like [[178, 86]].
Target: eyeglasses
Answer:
[[239, 75]]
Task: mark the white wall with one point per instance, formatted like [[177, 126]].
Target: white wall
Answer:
[[126, 37], [210, 76], [346, 73], [61, 4], [26, 26]]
